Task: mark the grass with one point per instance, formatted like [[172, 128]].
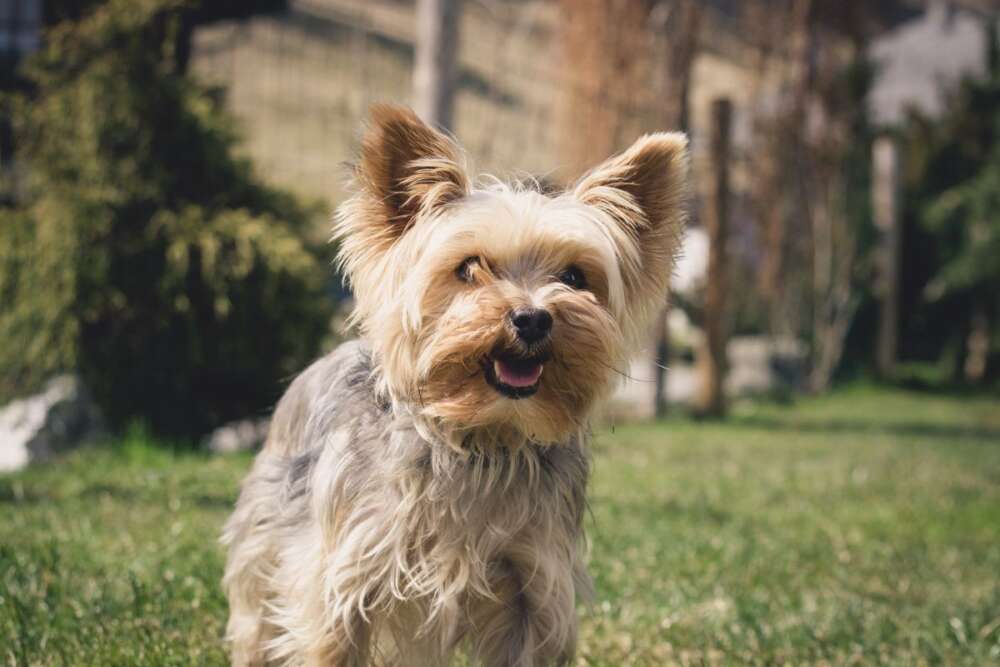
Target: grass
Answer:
[[858, 528]]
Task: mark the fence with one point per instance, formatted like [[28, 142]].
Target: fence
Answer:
[[299, 83]]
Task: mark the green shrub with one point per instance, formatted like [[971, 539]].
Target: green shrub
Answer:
[[951, 271], [144, 253]]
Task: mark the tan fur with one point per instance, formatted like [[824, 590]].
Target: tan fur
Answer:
[[402, 507]]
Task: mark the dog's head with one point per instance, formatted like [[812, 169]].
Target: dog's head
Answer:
[[499, 309]]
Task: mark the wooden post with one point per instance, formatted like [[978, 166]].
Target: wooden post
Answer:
[[605, 52], [712, 358], [661, 360], [436, 53], [681, 22], [885, 206]]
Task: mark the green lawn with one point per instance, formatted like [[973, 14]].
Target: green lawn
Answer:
[[858, 528]]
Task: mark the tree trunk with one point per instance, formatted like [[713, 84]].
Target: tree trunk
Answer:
[[712, 358], [435, 66], [783, 158], [605, 48], [834, 301], [885, 204], [681, 21], [977, 346]]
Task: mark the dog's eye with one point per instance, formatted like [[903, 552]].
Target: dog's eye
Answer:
[[464, 270], [573, 277]]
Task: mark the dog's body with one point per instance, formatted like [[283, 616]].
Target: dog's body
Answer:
[[423, 490], [431, 547]]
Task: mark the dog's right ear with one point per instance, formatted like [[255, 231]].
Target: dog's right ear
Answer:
[[407, 169]]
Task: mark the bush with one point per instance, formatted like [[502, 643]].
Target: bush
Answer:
[[144, 254], [951, 275]]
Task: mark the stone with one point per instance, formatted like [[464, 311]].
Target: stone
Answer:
[[760, 365], [239, 436], [36, 428]]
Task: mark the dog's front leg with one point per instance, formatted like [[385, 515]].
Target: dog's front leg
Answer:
[[529, 622], [338, 643], [324, 614]]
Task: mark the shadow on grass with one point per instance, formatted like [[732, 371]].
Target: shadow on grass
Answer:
[[208, 501], [14, 492], [989, 436]]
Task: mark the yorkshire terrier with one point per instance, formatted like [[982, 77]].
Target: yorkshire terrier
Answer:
[[422, 489]]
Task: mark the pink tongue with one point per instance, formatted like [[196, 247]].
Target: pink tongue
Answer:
[[524, 375]]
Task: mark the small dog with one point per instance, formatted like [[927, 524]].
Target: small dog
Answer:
[[421, 491]]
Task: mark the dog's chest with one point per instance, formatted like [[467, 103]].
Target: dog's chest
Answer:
[[476, 511]]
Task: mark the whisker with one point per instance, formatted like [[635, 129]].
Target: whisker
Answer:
[[625, 374]]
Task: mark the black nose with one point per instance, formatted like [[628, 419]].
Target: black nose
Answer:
[[532, 324]]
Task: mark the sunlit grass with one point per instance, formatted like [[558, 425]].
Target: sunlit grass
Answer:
[[863, 527]]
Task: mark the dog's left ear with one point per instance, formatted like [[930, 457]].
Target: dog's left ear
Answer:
[[643, 192]]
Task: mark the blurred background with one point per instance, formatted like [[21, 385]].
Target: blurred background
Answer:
[[168, 169], [802, 465]]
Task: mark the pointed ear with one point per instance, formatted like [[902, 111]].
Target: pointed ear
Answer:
[[406, 169], [643, 193]]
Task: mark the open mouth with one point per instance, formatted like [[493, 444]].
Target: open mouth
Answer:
[[514, 377]]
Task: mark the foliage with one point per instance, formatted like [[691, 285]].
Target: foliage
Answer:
[[858, 528], [953, 232], [146, 254], [970, 209]]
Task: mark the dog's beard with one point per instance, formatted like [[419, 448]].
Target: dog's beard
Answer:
[[474, 377]]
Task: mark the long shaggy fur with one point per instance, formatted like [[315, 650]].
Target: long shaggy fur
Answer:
[[404, 508]]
